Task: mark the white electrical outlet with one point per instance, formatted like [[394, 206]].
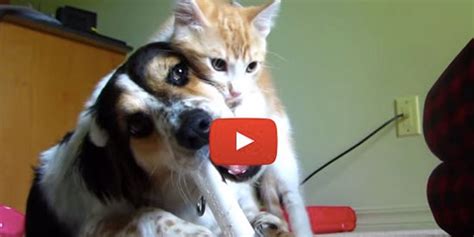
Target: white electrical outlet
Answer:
[[409, 124]]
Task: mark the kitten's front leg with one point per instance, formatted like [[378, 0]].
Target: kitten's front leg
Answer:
[[286, 174], [147, 222]]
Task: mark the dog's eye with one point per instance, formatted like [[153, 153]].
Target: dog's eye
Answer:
[[252, 66], [139, 125], [219, 65], [178, 75]]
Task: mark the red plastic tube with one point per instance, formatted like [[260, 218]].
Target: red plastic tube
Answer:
[[331, 219]]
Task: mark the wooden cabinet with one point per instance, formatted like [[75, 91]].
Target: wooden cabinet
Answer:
[[45, 78]]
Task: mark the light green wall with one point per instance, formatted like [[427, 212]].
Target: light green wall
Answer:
[[338, 65]]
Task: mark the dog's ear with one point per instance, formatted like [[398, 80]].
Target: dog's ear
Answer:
[[97, 134]]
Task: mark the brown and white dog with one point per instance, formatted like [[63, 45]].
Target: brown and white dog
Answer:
[[122, 171]]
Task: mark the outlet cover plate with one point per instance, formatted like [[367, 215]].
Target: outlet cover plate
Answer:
[[409, 124]]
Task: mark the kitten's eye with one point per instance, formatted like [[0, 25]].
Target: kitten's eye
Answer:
[[251, 67], [139, 125], [219, 64], [178, 75]]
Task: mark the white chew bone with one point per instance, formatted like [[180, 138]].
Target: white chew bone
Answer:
[[222, 202]]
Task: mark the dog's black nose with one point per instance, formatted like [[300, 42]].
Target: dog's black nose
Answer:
[[194, 130]]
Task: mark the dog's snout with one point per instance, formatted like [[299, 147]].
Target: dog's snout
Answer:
[[194, 130]]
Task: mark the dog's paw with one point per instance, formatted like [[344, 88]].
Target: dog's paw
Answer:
[[268, 225], [153, 222], [167, 224]]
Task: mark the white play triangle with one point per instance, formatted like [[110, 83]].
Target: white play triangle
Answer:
[[242, 141]]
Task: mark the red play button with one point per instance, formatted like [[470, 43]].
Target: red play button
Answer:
[[240, 141]]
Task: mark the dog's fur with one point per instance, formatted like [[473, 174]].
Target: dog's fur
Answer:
[[122, 171], [76, 194]]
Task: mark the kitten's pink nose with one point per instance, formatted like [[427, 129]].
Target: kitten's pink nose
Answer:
[[233, 93]]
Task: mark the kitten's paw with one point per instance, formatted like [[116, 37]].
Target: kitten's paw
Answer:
[[268, 225]]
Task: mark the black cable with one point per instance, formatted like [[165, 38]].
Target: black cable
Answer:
[[352, 147]]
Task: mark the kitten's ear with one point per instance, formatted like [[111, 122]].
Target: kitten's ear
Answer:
[[236, 3], [264, 17], [188, 13]]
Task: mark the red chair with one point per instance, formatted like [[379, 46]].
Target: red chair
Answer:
[[449, 132]]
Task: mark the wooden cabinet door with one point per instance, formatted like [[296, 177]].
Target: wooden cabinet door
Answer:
[[44, 82]]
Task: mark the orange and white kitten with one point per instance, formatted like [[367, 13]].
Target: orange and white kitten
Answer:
[[231, 41]]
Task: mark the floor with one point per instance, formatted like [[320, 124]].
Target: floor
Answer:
[[424, 233]]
